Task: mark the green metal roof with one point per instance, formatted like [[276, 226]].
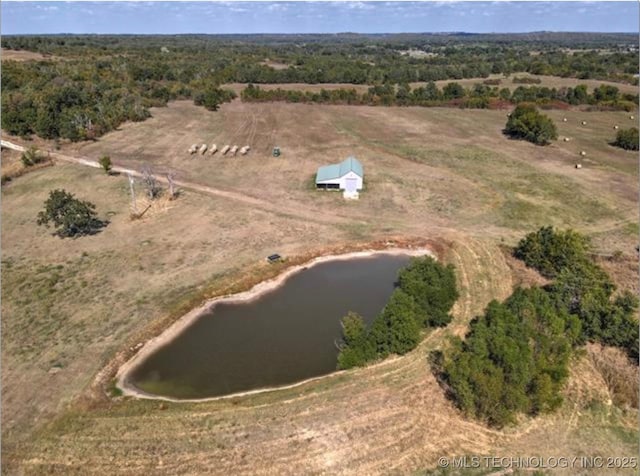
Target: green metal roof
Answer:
[[334, 171]]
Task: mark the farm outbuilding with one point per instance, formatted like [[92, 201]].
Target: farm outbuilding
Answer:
[[347, 175]]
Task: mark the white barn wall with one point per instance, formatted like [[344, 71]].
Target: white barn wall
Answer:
[[342, 181]]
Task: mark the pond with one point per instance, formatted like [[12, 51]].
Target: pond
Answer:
[[284, 336]]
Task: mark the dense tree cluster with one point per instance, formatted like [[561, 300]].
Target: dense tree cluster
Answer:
[[627, 139], [582, 287], [452, 94], [527, 123], [83, 100], [94, 83], [351, 58], [514, 357], [424, 296]]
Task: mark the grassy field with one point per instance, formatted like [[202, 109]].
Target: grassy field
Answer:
[[505, 82], [23, 55], [444, 175]]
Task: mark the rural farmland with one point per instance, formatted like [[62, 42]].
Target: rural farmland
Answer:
[[441, 180]]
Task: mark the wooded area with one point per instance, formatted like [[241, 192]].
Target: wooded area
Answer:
[[94, 83]]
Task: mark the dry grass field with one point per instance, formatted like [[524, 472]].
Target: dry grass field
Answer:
[[23, 55], [548, 81], [447, 176]]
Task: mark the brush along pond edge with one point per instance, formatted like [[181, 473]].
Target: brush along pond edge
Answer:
[[260, 289]]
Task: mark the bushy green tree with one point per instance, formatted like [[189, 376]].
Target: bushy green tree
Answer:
[[356, 348], [604, 92], [432, 285], [396, 329], [211, 98], [453, 91], [627, 139], [69, 216], [527, 123], [549, 250]]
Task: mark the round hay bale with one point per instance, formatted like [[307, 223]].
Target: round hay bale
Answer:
[[583, 153], [584, 123], [631, 117], [566, 139], [578, 166], [564, 119], [615, 127]]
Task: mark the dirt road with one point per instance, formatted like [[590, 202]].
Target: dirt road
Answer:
[[307, 213]]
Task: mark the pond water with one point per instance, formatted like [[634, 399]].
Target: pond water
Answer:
[[285, 336]]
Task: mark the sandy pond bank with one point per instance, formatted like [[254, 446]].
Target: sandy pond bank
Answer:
[[252, 294]]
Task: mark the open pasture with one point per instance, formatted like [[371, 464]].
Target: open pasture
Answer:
[[444, 175]]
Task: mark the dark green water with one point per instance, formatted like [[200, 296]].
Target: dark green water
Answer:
[[283, 337]]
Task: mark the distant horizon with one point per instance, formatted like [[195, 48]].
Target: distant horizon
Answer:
[[319, 18], [294, 33]]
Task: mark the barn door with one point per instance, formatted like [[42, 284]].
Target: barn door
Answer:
[[351, 184]]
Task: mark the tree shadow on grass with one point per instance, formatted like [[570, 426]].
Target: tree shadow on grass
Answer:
[[94, 228]]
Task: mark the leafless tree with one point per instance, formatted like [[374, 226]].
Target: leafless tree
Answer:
[[150, 183], [173, 191]]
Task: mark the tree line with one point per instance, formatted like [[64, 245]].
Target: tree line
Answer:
[[480, 96], [514, 358], [353, 58]]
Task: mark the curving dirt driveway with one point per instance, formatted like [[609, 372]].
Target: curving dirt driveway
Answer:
[[308, 213]]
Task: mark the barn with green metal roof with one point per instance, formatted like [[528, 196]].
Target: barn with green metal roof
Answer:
[[348, 175]]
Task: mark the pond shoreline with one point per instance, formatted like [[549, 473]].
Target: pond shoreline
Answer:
[[255, 292]]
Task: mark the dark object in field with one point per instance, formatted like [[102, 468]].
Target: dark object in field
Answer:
[[274, 258]]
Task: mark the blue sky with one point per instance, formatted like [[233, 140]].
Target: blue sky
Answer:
[[315, 17]]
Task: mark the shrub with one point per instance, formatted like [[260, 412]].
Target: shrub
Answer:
[[627, 139], [31, 156], [70, 217], [527, 123], [105, 163], [526, 80]]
